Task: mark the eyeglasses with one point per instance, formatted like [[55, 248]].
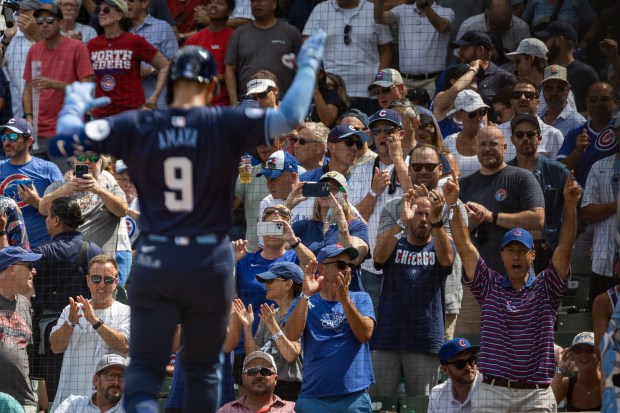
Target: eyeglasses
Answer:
[[111, 376], [528, 95], [387, 129], [550, 88], [382, 91], [531, 134], [28, 265], [262, 95], [96, 279], [347, 34], [429, 167], [276, 210], [10, 136], [82, 157], [482, 112], [269, 282], [68, 6], [460, 364], [585, 349], [264, 371], [106, 10], [350, 142], [48, 20], [603, 99], [341, 265], [303, 141]]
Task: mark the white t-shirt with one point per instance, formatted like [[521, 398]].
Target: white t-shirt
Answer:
[[467, 164]]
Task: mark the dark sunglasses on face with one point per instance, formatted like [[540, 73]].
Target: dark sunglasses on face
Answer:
[[550, 88], [10, 136], [387, 129], [264, 371], [480, 112], [341, 265], [528, 95], [96, 279], [429, 167], [580, 350], [262, 95], [603, 99], [106, 10], [269, 282], [82, 157], [48, 20], [28, 265], [460, 364], [531, 134], [303, 141], [350, 142], [347, 34], [381, 91]]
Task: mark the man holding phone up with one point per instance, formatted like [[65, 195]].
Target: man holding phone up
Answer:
[[101, 200]]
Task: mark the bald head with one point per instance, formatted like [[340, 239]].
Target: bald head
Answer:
[[491, 147], [601, 102], [499, 15]]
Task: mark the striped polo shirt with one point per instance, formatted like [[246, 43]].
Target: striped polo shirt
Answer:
[[517, 326]]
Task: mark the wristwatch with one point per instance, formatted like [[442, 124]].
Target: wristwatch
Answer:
[[97, 325], [437, 224]]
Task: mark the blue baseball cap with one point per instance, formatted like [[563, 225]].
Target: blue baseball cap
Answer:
[[358, 114], [13, 255], [278, 162], [455, 347], [473, 37], [18, 125], [519, 235], [343, 131], [287, 270], [334, 250], [558, 28], [387, 115]]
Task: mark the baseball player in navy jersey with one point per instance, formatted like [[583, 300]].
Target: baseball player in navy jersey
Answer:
[[183, 161]]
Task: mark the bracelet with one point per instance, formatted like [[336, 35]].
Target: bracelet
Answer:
[[437, 224], [373, 193], [345, 232], [304, 296], [495, 215], [69, 323], [2, 233], [295, 245], [451, 205], [97, 325], [27, 114], [473, 70], [277, 335]]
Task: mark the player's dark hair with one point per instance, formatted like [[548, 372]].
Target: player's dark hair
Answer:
[[69, 212]]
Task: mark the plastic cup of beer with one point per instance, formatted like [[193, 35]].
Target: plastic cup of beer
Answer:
[[245, 169]]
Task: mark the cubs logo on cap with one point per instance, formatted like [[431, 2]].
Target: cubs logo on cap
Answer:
[[387, 115], [519, 235], [455, 347]]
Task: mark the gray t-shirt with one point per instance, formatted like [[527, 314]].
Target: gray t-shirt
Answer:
[[510, 190], [286, 371], [15, 336], [252, 49], [100, 225]]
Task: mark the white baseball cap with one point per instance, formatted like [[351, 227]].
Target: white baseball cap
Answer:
[[531, 47], [467, 100]]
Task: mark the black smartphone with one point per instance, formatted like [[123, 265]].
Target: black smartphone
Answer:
[[81, 170], [316, 189]]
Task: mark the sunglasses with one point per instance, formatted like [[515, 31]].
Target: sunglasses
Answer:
[[429, 167], [381, 91], [580, 350], [550, 88], [302, 141], [531, 134], [341, 265], [347, 34], [387, 129], [603, 99], [264, 371], [276, 210], [482, 112], [28, 265], [269, 282], [460, 364], [48, 20], [82, 157], [96, 279], [111, 376], [10, 136], [106, 10], [350, 142], [528, 95], [262, 95]]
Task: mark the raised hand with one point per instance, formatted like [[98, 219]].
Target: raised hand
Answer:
[[311, 283], [87, 310], [78, 101], [451, 189], [342, 285], [380, 181], [572, 190], [583, 141], [246, 317], [437, 203], [239, 248], [408, 206], [74, 311], [267, 314], [311, 51]]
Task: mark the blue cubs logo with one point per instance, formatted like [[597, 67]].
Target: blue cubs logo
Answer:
[[501, 194], [606, 140]]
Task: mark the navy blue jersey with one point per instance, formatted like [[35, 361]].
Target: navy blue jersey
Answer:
[[183, 162]]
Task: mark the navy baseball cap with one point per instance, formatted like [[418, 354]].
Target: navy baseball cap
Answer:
[[388, 115], [519, 235], [473, 37], [334, 250], [287, 270], [18, 125], [524, 117], [358, 114], [13, 255], [558, 28], [341, 132], [455, 347], [278, 162]]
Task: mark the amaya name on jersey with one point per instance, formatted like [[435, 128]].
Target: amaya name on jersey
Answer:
[[177, 137]]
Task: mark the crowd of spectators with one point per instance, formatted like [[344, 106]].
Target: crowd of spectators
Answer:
[[457, 156]]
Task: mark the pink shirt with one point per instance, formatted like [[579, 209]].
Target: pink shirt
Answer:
[[277, 406]]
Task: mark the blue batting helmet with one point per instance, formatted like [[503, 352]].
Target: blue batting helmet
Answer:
[[192, 63]]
